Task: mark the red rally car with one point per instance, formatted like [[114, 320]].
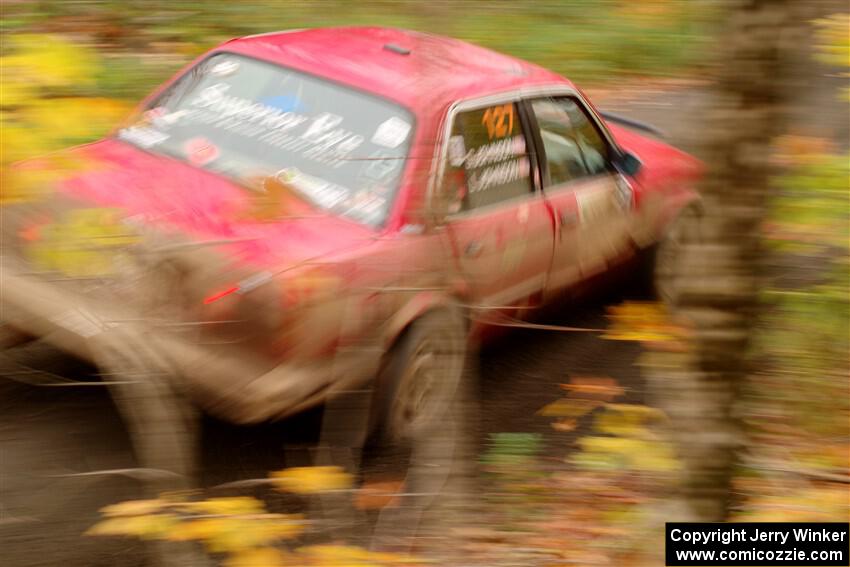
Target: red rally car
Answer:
[[296, 213]]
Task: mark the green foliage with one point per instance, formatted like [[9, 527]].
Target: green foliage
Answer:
[[512, 448], [513, 469], [832, 41], [584, 39], [807, 319]]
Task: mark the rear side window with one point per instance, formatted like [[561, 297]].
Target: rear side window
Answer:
[[573, 145], [488, 159]]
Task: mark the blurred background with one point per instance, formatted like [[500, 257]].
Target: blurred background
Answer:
[[573, 451]]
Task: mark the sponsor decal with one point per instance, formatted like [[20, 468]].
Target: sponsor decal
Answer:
[[499, 174], [225, 68], [499, 120], [391, 133], [493, 152], [142, 136], [457, 151], [200, 151]]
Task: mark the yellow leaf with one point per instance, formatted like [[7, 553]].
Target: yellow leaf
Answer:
[[832, 40], [229, 534], [72, 120], [638, 454], [133, 508], [258, 557], [311, 480], [566, 407], [350, 556], [15, 93], [641, 321], [628, 420], [198, 530], [49, 60], [225, 506], [18, 186], [154, 526]]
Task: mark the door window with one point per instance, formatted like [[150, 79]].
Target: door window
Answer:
[[488, 160], [574, 146]]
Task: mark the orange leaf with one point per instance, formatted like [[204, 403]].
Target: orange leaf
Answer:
[[564, 425], [377, 495], [603, 388]]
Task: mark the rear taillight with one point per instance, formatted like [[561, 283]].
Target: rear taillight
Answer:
[[218, 295]]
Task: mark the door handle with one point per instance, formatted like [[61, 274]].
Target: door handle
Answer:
[[473, 249], [568, 219]]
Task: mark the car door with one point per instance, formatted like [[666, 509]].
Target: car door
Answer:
[[589, 199], [498, 221]]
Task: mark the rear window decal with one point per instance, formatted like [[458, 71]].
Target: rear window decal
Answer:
[[200, 151], [225, 68], [391, 133], [457, 151], [142, 136]]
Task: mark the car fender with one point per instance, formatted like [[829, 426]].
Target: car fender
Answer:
[[417, 306], [657, 209], [679, 200]]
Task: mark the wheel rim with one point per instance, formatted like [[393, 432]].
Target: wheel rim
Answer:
[[427, 385]]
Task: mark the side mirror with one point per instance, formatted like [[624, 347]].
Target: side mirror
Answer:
[[628, 163]]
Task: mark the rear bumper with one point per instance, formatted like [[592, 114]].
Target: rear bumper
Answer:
[[224, 380]]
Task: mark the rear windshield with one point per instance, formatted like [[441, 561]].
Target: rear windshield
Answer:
[[341, 149]]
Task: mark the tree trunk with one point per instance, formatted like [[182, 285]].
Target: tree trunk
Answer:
[[720, 274]]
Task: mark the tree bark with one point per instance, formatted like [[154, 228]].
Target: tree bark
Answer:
[[720, 266]]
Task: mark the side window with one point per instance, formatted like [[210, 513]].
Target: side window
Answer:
[[574, 146], [487, 160]]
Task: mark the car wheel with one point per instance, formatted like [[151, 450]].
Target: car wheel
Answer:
[[417, 385], [662, 268], [425, 403]]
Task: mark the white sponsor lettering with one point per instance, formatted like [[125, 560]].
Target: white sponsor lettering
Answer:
[[499, 174], [494, 152], [223, 107], [142, 136], [391, 133]]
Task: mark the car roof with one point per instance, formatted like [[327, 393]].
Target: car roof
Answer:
[[418, 70]]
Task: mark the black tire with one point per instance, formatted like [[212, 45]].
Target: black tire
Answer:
[[436, 451], [425, 367], [660, 267]]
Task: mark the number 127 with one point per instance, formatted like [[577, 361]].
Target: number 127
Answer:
[[499, 120]]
